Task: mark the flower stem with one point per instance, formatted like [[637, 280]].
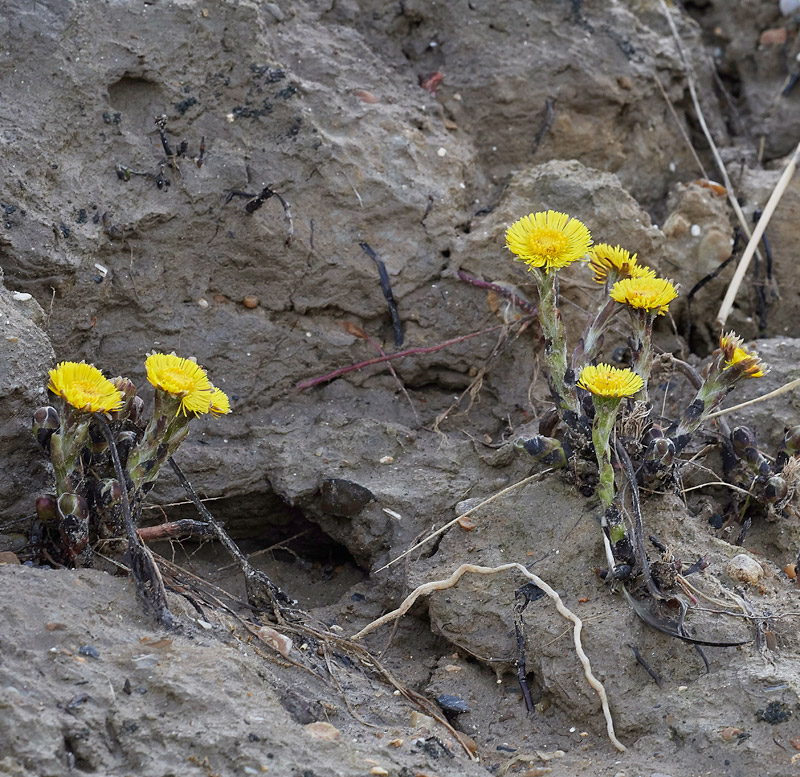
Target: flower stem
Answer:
[[642, 348], [563, 392], [605, 414]]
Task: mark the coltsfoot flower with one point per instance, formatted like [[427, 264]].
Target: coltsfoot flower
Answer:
[[84, 387], [604, 258], [219, 402], [607, 381], [650, 294], [731, 346], [549, 239], [183, 379]]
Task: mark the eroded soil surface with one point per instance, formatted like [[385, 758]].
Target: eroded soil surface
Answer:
[[422, 130]]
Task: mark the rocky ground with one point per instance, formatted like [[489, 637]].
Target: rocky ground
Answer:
[[421, 129]]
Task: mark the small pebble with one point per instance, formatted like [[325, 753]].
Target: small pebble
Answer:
[[274, 11], [379, 771], [277, 641], [365, 96], [791, 571], [89, 650], [322, 730], [386, 460], [452, 704], [744, 569], [251, 301], [695, 230], [202, 303], [773, 37], [418, 720]]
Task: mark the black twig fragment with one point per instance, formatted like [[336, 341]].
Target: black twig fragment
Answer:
[[386, 287], [257, 200], [549, 113], [262, 593], [161, 124], [644, 663], [737, 236], [199, 159], [743, 533], [638, 539]]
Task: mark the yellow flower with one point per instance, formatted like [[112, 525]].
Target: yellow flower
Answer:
[[650, 294], [182, 379], [603, 257], [84, 387], [548, 239], [219, 402], [607, 381], [731, 346]]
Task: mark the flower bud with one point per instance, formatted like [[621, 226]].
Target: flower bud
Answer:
[[661, 450], [125, 443], [128, 391], [791, 440], [745, 447], [73, 504], [45, 422], [46, 507], [775, 490], [547, 450], [109, 492]]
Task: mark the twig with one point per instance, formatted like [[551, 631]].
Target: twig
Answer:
[[701, 118], [507, 293], [440, 585], [485, 502], [149, 584], [304, 384], [681, 128], [386, 288], [752, 245], [261, 591], [778, 391], [641, 551]]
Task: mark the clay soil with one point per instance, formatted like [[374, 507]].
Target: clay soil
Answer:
[[315, 133]]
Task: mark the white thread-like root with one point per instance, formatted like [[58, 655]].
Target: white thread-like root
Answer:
[[440, 585]]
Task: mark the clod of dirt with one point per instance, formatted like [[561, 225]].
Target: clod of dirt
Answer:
[[744, 569]]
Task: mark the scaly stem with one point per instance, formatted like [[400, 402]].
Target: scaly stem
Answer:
[[642, 348], [605, 414], [562, 383]]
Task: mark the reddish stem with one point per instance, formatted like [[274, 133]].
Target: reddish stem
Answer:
[[389, 357]]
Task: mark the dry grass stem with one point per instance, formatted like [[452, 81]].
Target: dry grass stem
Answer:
[[440, 585], [701, 118], [455, 520], [778, 391], [752, 245]]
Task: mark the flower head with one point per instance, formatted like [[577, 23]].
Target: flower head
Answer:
[[607, 381], [745, 362], [548, 239], [84, 387], [181, 378], [604, 258], [648, 293], [220, 404]]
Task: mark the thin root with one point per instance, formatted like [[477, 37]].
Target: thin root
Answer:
[[439, 585]]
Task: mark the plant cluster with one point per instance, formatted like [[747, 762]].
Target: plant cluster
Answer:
[[106, 455], [589, 393]]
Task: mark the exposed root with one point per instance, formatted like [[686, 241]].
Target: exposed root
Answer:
[[440, 585]]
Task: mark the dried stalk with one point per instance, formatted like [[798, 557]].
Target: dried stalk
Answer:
[[455, 520], [752, 245]]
